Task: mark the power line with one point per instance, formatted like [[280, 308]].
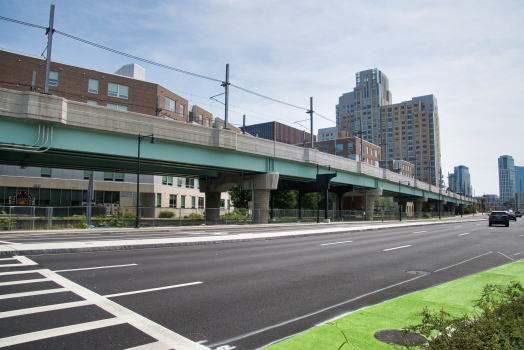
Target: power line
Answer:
[[159, 64]]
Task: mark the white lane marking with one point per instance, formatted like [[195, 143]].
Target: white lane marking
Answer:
[[5, 242], [506, 256], [457, 227], [420, 231], [55, 332], [462, 234], [477, 224], [95, 268], [404, 246], [336, 243], [152, 289], [17, 272], [231, 340], [12, 283], [517, 253], [141, 323], [478, 256], [36, 292], [24, 260], [35, 310], [151, 346]]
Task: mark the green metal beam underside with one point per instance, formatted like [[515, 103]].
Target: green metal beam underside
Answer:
[[77, 148]]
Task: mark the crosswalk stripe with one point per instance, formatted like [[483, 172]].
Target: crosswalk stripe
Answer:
[[35, 310], [36, 292], [56, 332], [151, 346], [24, 282]]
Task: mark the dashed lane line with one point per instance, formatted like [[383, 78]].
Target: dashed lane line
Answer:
[[420, 231], [462, 234], [404, 246], [337, 243]]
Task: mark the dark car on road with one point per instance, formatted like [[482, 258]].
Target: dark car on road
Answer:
[[499, 217], [512, 216], [518, 214]]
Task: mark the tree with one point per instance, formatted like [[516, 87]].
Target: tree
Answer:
[[239, 197], [310, 200], [381, 202], [286, 199]]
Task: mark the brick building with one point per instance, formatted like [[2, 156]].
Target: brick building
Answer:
[[399, 166], [279, 132], [350, 147]]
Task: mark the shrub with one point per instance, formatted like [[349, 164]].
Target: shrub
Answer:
[[6, 223], [82, 222], [499, 323], [166, 214], [195, 216]]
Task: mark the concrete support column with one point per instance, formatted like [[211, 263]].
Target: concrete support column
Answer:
[[453, 206], [418, 208], [260, 207], [262, 186], [369, 201], [213, 206]]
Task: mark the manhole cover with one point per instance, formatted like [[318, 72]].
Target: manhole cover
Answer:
[[418, 272], [394, 336], [23, 268]]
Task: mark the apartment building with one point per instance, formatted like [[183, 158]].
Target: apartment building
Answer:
[[399, 166], [460, 181], [350, 147], [406, 131], [125, 90]]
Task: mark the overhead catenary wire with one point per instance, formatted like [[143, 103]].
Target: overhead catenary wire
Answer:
[[159, 64]]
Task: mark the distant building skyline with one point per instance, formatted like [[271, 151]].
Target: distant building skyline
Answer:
[[506, 178], [460, 180]]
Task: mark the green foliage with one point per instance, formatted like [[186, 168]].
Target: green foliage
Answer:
[[239, 197], [286, 199], [82, 223], [235, 215], [195, 216], [426, 216], [6, 223], [499, 323], [382, 203], [166, 214], [346, 342], [309, 201], [129, 216]]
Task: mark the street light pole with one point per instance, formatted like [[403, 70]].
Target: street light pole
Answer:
[[140, 138]]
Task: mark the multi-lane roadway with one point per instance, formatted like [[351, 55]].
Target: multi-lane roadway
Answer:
[[240, 295]]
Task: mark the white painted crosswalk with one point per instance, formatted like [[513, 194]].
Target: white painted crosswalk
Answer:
[[164, 338]]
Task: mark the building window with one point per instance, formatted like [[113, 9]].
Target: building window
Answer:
[[325, 148], [182, 201], [119, 177], [108, 176], [91, 102], [193, 199], [179, 182], [159, 200], [45, 172], [87, 173], [119, 107], [170, 104], [201, 120], [207, 121], [117, 90], [200, 202], [167, 180], [182, 110], [190, 183], [228, 204], [172, 200], [222, 204], [93, 86], [53, 78]]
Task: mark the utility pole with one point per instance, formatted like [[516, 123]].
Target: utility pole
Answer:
[[310, 112], [226, 85], [49, 33], [244, 125]]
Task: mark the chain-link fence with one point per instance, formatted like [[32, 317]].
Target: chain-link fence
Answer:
[[14, 218]]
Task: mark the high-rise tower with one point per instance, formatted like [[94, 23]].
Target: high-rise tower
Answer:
[[506, 178]]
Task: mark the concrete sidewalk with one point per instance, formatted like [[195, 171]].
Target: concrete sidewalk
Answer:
[[302, 230]]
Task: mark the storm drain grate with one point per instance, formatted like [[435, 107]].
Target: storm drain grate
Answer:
[[394, 336]]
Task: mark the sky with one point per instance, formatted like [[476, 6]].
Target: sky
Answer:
[[469, 54]]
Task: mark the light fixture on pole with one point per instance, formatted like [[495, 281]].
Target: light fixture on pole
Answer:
[[140, 138]]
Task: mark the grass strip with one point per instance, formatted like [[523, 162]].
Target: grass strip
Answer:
[[456, 297]]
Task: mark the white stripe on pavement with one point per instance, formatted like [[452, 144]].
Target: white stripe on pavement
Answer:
[[36, 292], [24, 260], [35, 310], [95, 268], [151, 346], [404, 246], [56, 332], [151, 290], [420, 231], [462, 234], [24, 282], [462, 262], [506, 256], [336, 243], [17, 272]]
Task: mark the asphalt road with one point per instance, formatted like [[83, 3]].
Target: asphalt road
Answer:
[[236, 295]]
